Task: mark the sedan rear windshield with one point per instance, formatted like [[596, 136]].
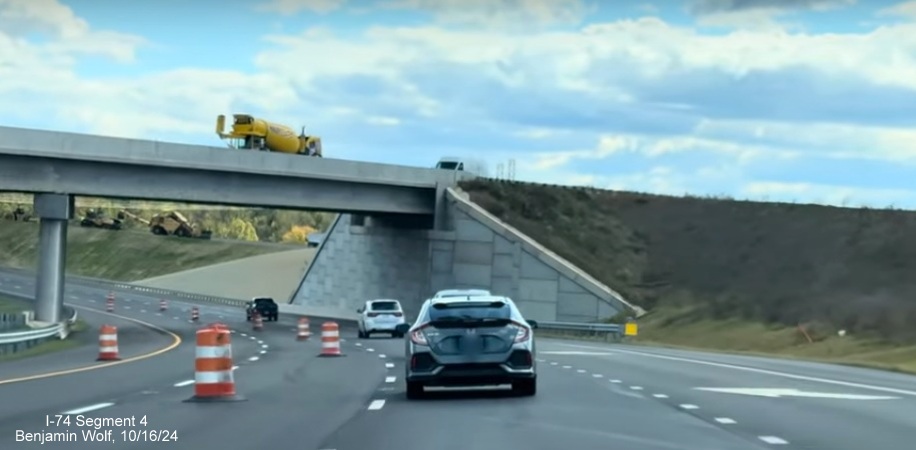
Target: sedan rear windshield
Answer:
[[469, 311], [385, 306]]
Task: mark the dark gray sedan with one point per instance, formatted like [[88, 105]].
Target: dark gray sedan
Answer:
[[470, 341]]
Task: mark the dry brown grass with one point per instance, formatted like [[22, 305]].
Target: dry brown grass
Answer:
[[735, 275]]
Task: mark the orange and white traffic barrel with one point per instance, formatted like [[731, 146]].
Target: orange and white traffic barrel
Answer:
[[302, 330], [330, 339], [108, 343], [163, 304], [257, 323], [109, 302], [195, 314], [213, 378]]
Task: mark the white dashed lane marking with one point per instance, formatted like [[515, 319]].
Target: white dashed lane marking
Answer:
[[376, 405], [689, 406], [636, 388], [659, 395], [581, 371], [773, 440], [254, 358], [89, 408], [184, 383], [390, 379], [725, 420], [389, 365]]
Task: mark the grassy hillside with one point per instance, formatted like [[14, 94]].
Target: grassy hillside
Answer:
[[122, 255], [249, 224], [735, 275]]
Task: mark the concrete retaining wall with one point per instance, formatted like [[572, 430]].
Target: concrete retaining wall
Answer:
[[357, 263]]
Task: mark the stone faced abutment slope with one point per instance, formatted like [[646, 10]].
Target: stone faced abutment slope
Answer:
[[378, 260]]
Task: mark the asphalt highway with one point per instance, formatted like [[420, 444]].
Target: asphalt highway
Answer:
[[590, 395]]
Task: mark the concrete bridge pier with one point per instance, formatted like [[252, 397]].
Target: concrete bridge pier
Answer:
[[54, 210]]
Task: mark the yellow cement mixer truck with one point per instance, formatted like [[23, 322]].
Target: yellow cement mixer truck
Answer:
[[250, 133]]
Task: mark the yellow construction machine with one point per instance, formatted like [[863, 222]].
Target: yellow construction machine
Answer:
[[170, 223], [96, 218], [250, 133], [175, 224]]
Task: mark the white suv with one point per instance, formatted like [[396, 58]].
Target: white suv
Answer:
[[447, 293], [380, 316]]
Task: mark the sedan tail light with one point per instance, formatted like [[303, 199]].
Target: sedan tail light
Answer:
[[417, 336], [523, 333]]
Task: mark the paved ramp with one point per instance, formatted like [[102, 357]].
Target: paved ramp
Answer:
[[274, 275]]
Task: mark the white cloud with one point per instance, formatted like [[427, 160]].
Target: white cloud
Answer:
[[840, 195], [905, 9], [448, 83], [290, 7], [518, 14]]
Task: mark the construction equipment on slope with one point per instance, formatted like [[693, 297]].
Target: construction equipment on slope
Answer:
[[96, 218], [173, 223], [19, 214], [125, 214], [250, 133]]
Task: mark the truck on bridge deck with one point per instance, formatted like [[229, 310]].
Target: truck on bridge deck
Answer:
[[250, 133]]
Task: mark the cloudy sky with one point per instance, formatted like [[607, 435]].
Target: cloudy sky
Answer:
[[798, 100]]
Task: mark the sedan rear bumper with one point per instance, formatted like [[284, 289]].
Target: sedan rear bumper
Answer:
[[471, 375]]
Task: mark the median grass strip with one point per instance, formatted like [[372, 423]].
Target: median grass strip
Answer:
[[76, 339], [122, 255]]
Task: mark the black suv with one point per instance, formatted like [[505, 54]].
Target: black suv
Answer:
[[265, 307]]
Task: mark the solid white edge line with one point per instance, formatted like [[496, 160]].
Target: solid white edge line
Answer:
[[89, 408], [184, 383], [376, 405], [773, 440], [760, 371]]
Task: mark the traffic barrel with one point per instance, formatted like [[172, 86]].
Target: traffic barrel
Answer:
[[330, 339], [195, 314], [302, 330], [257, 323], [213, 378], [109, 302], [108, 343], [163, 304]]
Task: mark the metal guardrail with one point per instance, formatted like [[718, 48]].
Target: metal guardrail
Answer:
[[610, 331], [115, 285], [607, 331], [61, 329]]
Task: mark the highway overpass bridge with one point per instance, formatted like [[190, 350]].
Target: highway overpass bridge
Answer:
[[403, 232]]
